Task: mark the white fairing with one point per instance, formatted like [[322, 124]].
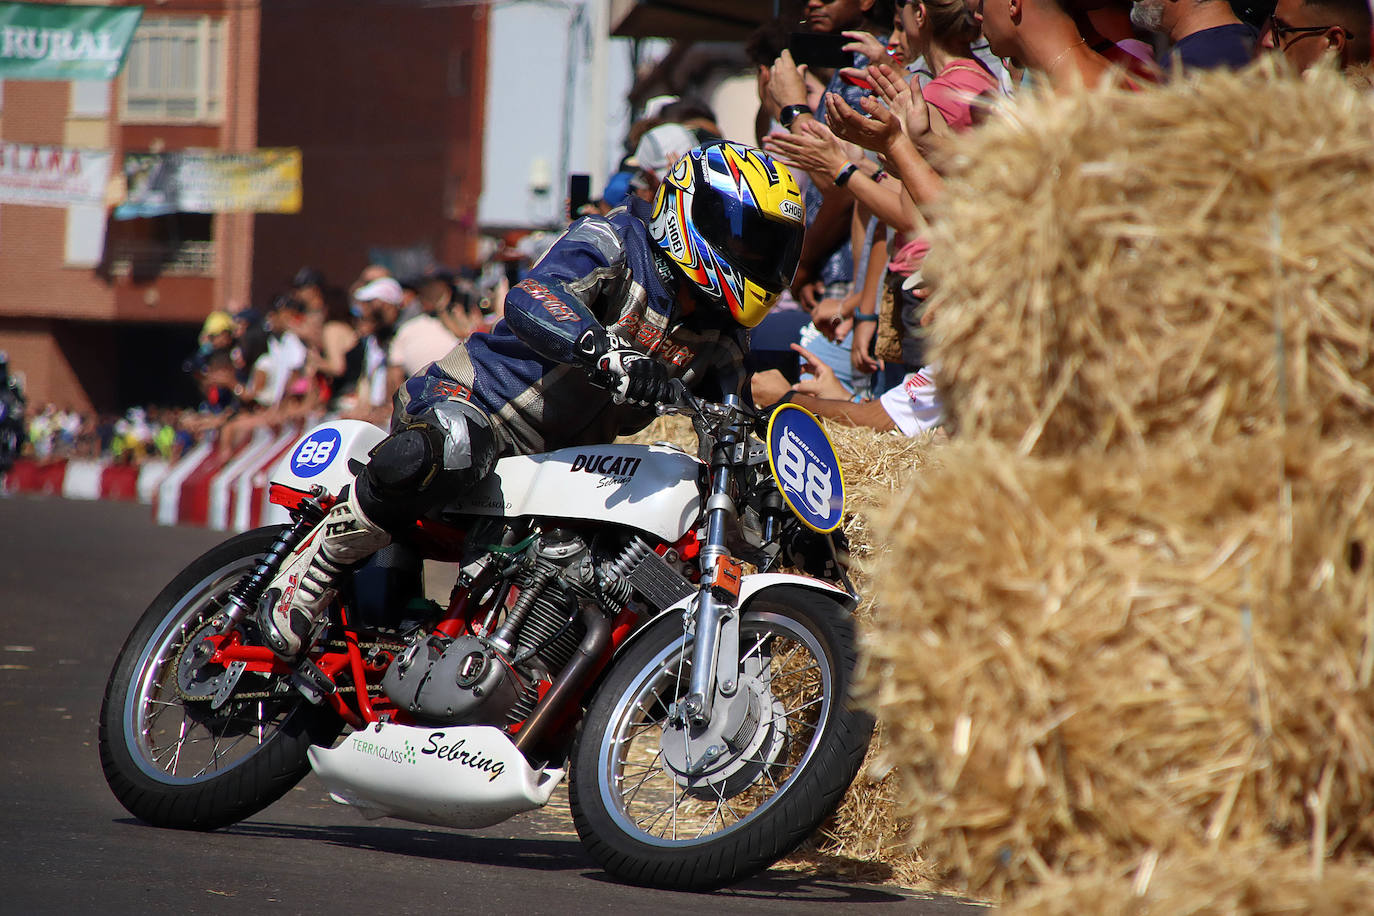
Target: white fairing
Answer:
[[460, 776], [649, 487], [321, 456]]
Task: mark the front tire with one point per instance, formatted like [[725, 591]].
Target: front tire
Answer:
[[657, 807], [171, 759]]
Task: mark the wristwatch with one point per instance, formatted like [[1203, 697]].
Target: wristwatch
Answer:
[[790, 113]]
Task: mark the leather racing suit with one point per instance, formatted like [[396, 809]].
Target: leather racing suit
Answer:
[[525, 387]]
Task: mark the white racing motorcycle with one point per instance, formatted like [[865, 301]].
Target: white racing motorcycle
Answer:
[[618, 618]]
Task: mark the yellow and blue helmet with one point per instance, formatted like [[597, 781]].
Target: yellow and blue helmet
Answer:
[[731, 218]]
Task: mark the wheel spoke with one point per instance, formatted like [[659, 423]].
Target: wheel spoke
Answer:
[[755, 647], [796, 671], [181, 739], [808, 704], [633, 792], [657, 816]]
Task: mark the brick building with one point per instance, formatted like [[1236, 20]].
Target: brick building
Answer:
[[385, 101]]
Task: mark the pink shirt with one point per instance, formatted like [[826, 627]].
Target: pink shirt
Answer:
[[952, 92]]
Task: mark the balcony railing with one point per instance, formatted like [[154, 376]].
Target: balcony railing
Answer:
[[144, 259]]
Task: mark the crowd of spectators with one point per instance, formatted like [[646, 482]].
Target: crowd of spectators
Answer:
[[846, 341], [321, 349], [866, 137], [315, 349], [133, 437]]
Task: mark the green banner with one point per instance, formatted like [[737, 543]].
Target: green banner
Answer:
[[42, 42]]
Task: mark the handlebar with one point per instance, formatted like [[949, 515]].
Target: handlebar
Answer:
[[710, 417]]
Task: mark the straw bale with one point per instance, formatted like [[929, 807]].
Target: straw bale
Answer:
[[1259, 879], [1081, 659], [1110, 268], [877, 467]]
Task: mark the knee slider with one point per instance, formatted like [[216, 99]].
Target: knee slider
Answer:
[[406, 462]]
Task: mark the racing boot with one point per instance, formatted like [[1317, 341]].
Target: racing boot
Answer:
[[293, 608]]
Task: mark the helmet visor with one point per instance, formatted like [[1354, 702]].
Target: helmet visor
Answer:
[[764, 250]]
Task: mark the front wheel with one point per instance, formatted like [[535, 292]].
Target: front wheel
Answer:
[[187, 744], [690, 809]]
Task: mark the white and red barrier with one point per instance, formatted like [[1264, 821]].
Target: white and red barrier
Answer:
[[205, 487], [79, 478]]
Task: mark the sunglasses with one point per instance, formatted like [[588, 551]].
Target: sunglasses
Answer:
[[1283, 31]]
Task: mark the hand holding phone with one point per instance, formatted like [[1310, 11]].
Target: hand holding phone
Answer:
[[817, 49], [579, 193]]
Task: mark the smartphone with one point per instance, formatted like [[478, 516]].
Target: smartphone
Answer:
[[579, 193], [817, 49]]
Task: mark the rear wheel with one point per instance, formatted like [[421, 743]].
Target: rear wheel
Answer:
[[192, 745], [695, 809]]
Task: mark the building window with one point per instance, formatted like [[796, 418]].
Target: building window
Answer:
[[85, 236], [175, 71], [90, 98]]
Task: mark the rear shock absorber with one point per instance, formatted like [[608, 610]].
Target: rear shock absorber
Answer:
[[246, 594]]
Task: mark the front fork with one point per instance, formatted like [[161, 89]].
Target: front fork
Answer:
[[715, 652]]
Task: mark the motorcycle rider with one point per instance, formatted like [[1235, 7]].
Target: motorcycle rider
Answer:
[[591, 336]]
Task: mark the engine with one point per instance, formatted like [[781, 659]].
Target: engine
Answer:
[[494, 674]]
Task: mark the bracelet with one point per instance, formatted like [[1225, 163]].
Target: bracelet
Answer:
[[846, 173], [864, 316]]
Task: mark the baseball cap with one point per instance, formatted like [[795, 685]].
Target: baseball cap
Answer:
[[664, 142], [654, 107], [383, 289], [217, 323]]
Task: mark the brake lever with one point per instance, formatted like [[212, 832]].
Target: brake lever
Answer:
[[684, 403]]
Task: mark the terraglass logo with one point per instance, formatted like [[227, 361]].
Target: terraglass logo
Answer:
[[316, 453], [404, 754]]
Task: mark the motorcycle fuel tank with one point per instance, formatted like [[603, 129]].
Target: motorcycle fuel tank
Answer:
[[460, 776], [650, 487]]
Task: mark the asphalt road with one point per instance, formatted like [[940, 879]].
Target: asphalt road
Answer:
[[74, 578]]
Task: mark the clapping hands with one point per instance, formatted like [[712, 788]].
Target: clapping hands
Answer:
[[898, 110], [812, 148]]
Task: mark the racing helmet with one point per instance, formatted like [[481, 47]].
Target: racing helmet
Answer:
[[731, 218]]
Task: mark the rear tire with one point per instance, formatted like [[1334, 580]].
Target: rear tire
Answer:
[[173, 761], [652, 815]]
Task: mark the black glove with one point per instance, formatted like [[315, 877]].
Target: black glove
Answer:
[[630, 375]]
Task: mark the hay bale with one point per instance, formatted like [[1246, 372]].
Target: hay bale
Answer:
[[877, 468], [1080, 660], [1257, 879], [1110, 268]]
